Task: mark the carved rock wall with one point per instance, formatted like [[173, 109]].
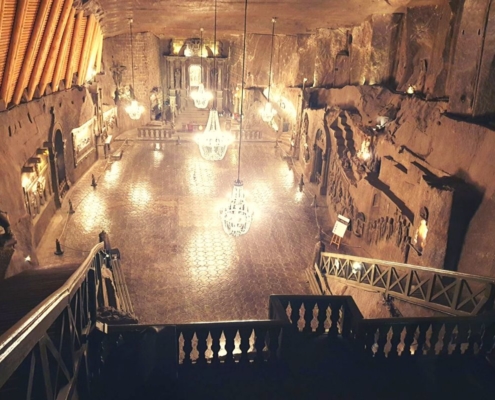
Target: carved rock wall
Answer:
[[426, 159], [118, 74], [23, 130]]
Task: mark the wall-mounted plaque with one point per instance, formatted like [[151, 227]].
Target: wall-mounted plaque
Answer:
[[83, 139]]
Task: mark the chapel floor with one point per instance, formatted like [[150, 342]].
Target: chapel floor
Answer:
[[160, 206]]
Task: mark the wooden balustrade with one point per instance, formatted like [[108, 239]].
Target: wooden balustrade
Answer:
[[318, 315], [229, 343], [45, 354], [446, 291], [155, 133], [248, 134], [426, 337]]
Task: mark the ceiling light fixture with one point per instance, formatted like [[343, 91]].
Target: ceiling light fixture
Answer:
[[201, 96], [135, 110], [236, 216], [213, 142], [268, 112]]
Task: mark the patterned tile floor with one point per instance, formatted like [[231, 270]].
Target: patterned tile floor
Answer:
[[160, 205]]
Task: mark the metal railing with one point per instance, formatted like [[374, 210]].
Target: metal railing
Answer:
[[453, 293], [45, 354]]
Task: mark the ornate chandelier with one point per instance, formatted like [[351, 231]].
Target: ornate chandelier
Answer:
[[237, 216], [213, 142], [201, 97], [135, 110], [268, 112]]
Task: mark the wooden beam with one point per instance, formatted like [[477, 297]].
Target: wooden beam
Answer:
[[50, 27], [88, 39], [69, 72], [64, 48], [99, 54], [94, 51], [15, 38], [55, 47], [29, 59]]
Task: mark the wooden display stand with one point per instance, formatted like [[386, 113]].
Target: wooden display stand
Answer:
[[336, 240], [339, 230]]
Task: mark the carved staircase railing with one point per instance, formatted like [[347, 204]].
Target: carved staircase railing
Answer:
[[450, 292], [45, 354]]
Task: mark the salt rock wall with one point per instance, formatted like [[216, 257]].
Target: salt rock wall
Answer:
[[116, 82], [23, 131], [422, 159]]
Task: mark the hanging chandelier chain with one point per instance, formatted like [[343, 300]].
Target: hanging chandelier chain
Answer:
[[271, 58], [132, 57], [201, 55], [242, 90], [214, 56]]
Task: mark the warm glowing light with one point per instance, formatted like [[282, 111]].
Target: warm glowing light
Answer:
[[268, 112], [365, 152], [410, 89], [237, 216], [139, 196], [112, 174], [213, 142], [420, 237], [134, 110], [91, 74], [201, 97], [188, 51], [356, 267], [28, 259]]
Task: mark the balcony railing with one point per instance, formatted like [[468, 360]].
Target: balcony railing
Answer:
[[45, 354], [453, 293]]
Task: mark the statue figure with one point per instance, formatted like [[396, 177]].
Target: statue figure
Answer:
[[359, 224], [390, 228], [177, 84]]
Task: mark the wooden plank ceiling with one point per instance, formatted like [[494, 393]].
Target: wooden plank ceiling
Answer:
[[45, 45]]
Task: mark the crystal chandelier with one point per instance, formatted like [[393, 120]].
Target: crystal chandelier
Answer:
[[213, 142], [201, 97], [135, 110], [268, 112], [236, 216]]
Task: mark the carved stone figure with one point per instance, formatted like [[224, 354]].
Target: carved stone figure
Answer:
[[359, 224], [177, 83]]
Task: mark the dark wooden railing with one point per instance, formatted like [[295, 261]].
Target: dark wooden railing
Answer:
[[453, 293], [45, 354]]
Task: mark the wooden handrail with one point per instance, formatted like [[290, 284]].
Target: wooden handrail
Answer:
[[17, 338], [453, 274]]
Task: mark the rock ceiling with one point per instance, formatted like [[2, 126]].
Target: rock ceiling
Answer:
[[178, 18]]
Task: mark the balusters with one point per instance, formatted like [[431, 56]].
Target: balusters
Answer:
[[334, 319], [216, 334], [433, 339], [393, 341], [260, 344], [383, 345], [188, 336], [447, 338], [307, 315], [230, 334], [321, 316], [244, 335], [410, 341], [202, 346]]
